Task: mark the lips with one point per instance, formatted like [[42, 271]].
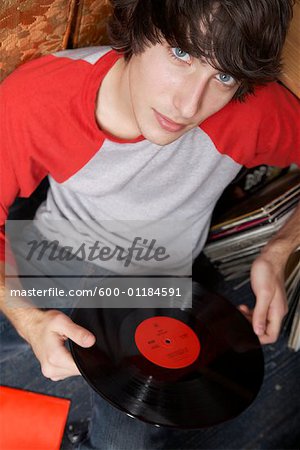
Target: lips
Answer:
[[167, 124]]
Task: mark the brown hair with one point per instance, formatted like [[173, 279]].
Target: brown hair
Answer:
[[242, 38]]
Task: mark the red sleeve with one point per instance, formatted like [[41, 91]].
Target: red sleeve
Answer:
[[44, 127], [265, 129], [19, 174]]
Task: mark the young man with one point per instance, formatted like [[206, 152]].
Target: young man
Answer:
[[154, 130]]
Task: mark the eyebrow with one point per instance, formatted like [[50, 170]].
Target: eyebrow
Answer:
[[204, 60], [218, 69]]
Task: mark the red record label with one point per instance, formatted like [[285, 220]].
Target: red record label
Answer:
[[167, 342]]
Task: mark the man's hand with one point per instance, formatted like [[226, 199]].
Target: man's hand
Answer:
[[267, 281], [47, 332]]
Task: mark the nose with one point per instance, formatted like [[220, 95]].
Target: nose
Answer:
[[189, 98]]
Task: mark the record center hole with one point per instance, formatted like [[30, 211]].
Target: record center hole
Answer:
[[168, 341]]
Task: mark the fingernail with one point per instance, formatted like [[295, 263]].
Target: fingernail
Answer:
[[259, 330], [86, 339]]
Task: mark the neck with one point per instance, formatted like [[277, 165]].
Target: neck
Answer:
[[114, 111]]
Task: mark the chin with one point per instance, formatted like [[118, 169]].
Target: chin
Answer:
[[161, 138]]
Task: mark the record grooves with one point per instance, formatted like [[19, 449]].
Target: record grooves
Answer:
[[182, 368]]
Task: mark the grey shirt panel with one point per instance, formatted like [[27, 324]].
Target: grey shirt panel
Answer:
[[141, 190]]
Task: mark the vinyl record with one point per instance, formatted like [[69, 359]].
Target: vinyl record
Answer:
[[182, 368]]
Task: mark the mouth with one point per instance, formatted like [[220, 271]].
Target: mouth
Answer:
[[168, 124]]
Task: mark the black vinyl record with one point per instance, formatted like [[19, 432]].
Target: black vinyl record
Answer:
[[183, 368]]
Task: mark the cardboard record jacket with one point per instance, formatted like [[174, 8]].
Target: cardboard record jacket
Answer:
[[182, 368]]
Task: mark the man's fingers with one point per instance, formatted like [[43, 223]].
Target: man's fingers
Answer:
[[271, 328], [59, 365], [264, 286], [275, 316], [75, 332], [259, 319], [59, 374], [247, 312], [245, 309], [69, 368]]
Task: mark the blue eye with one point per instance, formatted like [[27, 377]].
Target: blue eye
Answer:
[[180, 54], [226, 79]]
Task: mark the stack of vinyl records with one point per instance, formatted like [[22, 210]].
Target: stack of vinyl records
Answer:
[[238, 235]]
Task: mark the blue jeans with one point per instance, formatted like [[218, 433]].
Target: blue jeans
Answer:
[[271, 422]]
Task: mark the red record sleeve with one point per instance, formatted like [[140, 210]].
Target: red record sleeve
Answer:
[[30, 420]]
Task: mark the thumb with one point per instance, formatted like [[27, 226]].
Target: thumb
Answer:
[[259, 318], [263, 289], [77, 334]]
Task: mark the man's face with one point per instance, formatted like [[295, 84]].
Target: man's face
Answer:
[[172, 92]]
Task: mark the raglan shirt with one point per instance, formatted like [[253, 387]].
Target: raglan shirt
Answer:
[[97, 181]]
